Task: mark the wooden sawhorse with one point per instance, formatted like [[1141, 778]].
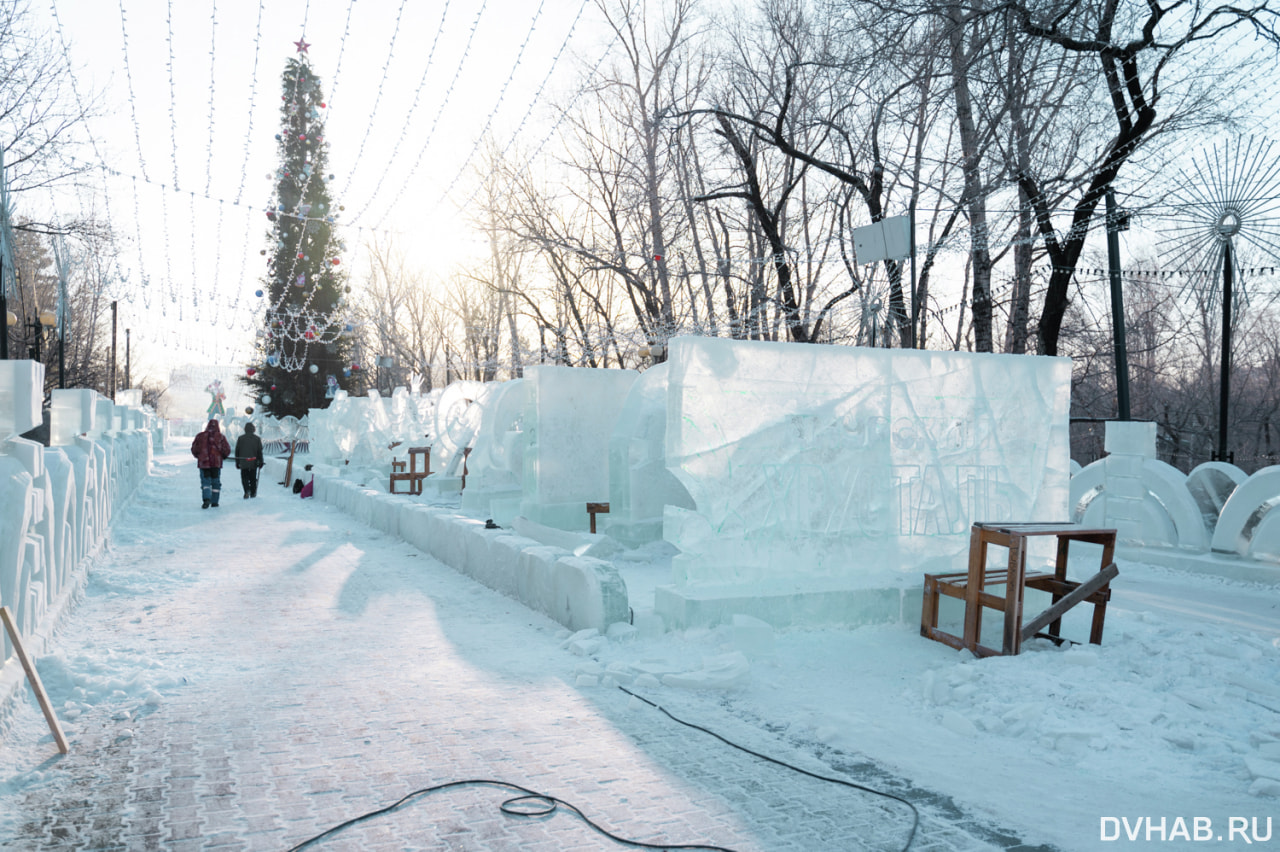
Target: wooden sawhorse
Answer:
[[971, 586]]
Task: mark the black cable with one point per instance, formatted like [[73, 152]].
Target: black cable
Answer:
[[915, 823], [534, 804], [530, 804]]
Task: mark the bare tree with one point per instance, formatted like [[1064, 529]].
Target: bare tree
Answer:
[[1139, 52]]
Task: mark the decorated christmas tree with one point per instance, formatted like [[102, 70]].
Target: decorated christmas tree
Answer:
[[304, 346]]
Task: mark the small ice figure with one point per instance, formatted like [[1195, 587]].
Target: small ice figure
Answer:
[[216, 407], [331, 388]]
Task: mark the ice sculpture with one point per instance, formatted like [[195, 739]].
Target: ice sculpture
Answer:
[[569, 417], [457, 417], [1144, 499], [495, 467], [1211, 485], [370, 425], [640, 486], [1249, 525], [815, 469]]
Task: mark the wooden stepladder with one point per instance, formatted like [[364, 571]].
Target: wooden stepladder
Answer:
[[413, 477], [971, 586], [34, 678]]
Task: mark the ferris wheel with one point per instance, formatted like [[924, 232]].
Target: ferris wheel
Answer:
[[1226, 202]]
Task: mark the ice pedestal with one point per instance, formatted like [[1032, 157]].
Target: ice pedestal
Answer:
[[21, 396], [569, 417], [826, 480], [1128, 445]]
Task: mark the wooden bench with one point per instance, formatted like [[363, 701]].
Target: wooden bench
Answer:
[[971, 587], [412, 476]]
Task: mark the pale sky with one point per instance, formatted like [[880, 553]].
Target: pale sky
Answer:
[[190, 93]]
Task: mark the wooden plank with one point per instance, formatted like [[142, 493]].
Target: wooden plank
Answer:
[[1088, 587], [34, 678]]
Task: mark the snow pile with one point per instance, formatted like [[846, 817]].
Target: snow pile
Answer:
[[130, 682]]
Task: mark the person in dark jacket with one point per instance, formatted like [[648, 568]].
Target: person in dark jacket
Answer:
[[210, 447], [249, 460]]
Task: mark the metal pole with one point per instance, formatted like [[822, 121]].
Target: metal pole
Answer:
[[113, 351], [915, 310], [62, 322], [128, 383], [1117, 306], [1224, 386]]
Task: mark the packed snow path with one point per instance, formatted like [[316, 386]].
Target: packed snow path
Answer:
[[249, 676]]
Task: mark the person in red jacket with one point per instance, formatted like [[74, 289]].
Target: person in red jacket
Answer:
[[210, 447]]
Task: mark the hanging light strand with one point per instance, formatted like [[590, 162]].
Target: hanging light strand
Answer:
[[466, 52], [409, 114], [377, 98], [253, 98], [533, 102], [173, 98]]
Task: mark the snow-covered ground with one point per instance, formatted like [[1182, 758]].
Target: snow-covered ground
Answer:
[[1168, 733]]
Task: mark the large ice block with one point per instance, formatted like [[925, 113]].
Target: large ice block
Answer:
[[819, 468], [569, 416], [21, 395], [131, 397], [103, 417], [640, 486]]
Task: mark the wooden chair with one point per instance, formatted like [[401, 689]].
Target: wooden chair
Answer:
[[971, 586]]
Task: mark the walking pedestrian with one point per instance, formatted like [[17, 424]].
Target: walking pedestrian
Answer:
[[249, 460], [210, 447]]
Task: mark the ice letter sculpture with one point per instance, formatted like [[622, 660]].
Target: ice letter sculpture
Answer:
[[821, 469]]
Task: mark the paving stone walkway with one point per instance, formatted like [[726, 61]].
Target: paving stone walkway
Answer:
[[315, 670]]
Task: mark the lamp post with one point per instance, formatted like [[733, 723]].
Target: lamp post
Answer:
[[10, 319], [39, 325], [385, 364]]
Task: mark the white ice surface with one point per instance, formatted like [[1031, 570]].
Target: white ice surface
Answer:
[[829, 467], [1177, 714]]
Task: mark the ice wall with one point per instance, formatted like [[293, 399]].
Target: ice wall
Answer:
[[56, 502], [816, 468], [569, 417]]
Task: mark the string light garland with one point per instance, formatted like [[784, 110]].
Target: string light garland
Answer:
[[173, 98], [128, 75], [444, 102], [502, 93], [533, 102], [208, 299], [253, 99], [213, 54], [377, 99], [408, 117]]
